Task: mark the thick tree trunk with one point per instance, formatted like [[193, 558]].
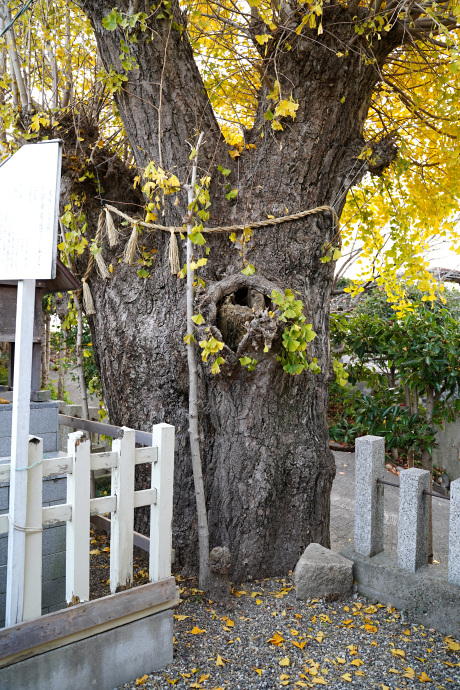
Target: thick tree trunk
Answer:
[[267, 467]]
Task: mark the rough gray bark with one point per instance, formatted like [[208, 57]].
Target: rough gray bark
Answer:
[[267, 467]]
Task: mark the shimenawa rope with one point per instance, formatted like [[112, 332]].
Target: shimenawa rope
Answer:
[[130, 249]]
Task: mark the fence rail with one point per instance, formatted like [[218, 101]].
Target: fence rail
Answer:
[[79, 508]]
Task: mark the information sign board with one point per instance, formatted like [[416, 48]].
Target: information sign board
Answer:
[[29, 205]]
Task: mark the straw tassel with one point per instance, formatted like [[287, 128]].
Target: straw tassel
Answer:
[[111, 229], [173, 253], [103, 270], [88, 303], [130, 250]]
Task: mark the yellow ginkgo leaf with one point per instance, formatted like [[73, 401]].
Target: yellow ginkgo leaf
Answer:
[[423, 678], [357, 662], [319, 680], [219, 661], [398, 652], [347, 676], [142, 681], [180, 618], [284, 676], [285, 661], [341, 660], [276, 640], [196, 631]]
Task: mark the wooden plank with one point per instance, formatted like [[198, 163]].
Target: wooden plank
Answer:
[[33, 559], [51, 515], [103, 505], [121, 536], [32, 637], [5, 472], [60, 465], [145, 497], [142, 437], [51, 466], [19, 452], [4, 524], [103, 523], [148, 454], [77, 535], [161, 513], [104, 461]]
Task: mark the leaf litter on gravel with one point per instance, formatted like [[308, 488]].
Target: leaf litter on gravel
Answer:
[[264, 638]]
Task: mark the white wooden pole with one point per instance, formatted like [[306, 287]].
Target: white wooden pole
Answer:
[[77, 534], [34, 535], [19, 452], [161, 513], [121, 531]]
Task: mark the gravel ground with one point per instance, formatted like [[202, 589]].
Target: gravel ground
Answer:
[[263, 638]]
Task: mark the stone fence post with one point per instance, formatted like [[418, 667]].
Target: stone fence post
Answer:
[[370, 466], [414, 516], [454, 533]]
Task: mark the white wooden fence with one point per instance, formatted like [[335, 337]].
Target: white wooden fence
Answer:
[[26, 585]]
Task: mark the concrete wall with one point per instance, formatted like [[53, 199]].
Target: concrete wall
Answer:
[[448, 452], [43, 423], [103, 662]]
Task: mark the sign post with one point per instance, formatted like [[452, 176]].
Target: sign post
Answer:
[[29, 205]]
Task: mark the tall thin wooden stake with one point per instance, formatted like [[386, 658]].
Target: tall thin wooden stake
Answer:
[[203, 530]]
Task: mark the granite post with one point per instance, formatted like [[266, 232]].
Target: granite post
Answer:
[[454, 534], [413, 522], [370, 466]]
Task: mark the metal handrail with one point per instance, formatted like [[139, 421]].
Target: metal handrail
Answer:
[[426, 493]]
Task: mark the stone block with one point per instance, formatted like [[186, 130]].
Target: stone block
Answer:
[[53, 566], [54, 539], [53, 592], [6, 420], [4, 497], [44, 419], [413, 522], [3, 549], [369, 500], [40, 396], [54, 489], [321, 572]]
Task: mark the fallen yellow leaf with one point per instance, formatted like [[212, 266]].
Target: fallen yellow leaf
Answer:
[[300, 645], [341, 660], [219, 661], [180, 618], [283, 676], [393, 670], [94, 552], [320, 636], [141, 681], [204, 676], [452, 646], [258, 671], [347, 676], [398, 652], [423, 678], [319, 680], [357, 662], [285, 661], [370, 628], [276, 640], [196, 631]]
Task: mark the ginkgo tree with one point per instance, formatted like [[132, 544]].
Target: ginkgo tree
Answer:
[[346, 107]]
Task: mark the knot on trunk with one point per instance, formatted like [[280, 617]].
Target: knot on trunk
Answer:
[[383, 154], [220, 560]]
